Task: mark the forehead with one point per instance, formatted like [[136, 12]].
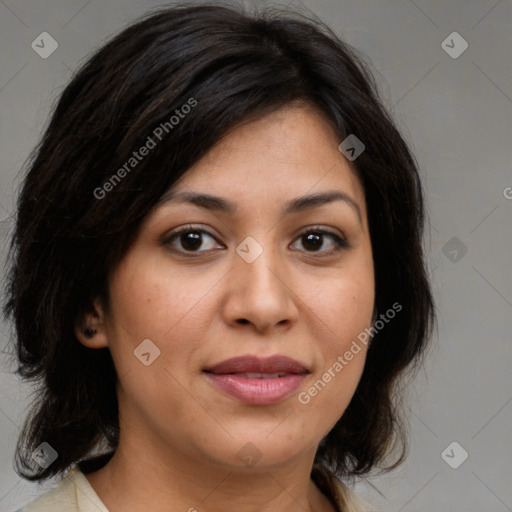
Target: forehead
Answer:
[[288, 153]]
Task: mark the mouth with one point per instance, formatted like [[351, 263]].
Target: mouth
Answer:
[[257, 381]]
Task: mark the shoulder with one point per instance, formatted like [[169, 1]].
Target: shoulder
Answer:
[[63, 497], [73, 494]]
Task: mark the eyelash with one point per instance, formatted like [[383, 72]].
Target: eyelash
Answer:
[[342, 243]]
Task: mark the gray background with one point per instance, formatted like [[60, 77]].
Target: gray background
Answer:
[[457, 115]]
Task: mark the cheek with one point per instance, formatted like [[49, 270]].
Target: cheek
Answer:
[[344, 354], [150, 303], [152, 299], [346, 306], [342, 351]]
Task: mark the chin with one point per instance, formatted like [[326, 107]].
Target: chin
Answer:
[[258, 451]]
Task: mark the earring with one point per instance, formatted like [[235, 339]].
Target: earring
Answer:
[[89, 333]]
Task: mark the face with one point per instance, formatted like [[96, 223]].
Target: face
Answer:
[[274, 274]]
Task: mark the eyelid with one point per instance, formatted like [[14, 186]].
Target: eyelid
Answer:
[[340, 239], [186, 229], [318, 228]]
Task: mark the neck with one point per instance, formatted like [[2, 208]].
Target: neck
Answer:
[[179, 482]]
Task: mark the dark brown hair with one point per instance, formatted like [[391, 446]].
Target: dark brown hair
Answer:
[[235, 66]]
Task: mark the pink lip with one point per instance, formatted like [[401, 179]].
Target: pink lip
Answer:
[[258, 391], [254, 364]]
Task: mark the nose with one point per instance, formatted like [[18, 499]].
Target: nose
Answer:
[[259, 293]]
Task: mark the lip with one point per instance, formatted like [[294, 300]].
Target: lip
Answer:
[[254, 364], [257, 391]]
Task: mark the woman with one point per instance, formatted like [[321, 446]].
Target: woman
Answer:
[[217, 277]]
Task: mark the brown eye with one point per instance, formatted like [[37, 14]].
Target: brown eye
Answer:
[[190, 240], [314, 240], [193, 241]]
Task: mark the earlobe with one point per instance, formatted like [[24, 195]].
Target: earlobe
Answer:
[[89, 333], [90, 328]]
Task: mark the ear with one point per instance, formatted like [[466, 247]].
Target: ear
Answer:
[[90, 327]]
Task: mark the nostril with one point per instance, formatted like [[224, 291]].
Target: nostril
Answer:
[[243, 321]]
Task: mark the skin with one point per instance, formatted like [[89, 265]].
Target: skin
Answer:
[[180, 435]]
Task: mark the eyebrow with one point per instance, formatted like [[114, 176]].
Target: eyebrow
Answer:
[[299, 204]]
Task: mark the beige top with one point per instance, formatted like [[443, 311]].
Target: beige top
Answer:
[[75, 494]]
